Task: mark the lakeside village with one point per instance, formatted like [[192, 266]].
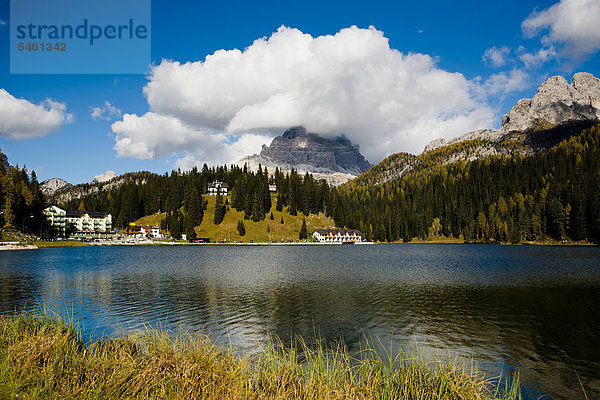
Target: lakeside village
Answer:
[[96, 227]]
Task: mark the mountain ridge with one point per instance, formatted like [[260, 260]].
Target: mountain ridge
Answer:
[[309, 152], [557, 111]]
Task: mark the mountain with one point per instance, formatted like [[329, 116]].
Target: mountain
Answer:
[[107, 176], [556, 103], [537, 178], [556, 112], [308, 152], [50, 186]]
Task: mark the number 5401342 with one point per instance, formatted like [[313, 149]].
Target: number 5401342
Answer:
[[33, 46]]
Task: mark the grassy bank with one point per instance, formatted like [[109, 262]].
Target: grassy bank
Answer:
[[60, 243], [44, 357]]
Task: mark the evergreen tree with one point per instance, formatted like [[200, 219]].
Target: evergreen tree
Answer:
[[303, 230], [194, 206], [9, 201], [556, 218], [219, 210], [241, 228]]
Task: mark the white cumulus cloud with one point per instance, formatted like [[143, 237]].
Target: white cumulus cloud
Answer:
[[351, 82], [21, 119], [106, 112], [571, 25], [537, 58], [506, 82], [497, 56], [153, 135]]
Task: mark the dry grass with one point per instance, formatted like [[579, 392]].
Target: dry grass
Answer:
[[44, 357], [257, 231], [60, 243], [152, 220]]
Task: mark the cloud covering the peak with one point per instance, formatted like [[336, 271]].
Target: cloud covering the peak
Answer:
[[351, 82]]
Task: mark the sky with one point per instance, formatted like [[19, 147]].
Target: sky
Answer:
[[226, 78]]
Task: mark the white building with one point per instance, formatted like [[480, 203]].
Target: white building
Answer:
[[337, 235], [68, 222], [216, 187], [272, 188], [144, 231]]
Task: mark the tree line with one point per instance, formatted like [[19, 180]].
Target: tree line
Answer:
[[501, 198], [21, 199], [179, 195]]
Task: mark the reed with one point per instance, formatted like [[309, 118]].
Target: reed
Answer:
[[44, 356]]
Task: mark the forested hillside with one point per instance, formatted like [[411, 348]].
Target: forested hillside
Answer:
[[21, 199], [179, 195], [506, 197], [498, 198]]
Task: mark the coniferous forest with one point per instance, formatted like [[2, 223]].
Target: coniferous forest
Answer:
[[21, 199], [508, 198], [179, 194], [501, 198]]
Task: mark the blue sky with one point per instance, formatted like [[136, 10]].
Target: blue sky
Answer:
[[454, 35]]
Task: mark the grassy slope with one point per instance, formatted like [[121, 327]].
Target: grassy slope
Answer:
[[256, 231], [43, 357], [151, 220]]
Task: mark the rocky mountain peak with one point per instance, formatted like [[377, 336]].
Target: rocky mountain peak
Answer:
[[557, 102], [50, 186], [309, 152]]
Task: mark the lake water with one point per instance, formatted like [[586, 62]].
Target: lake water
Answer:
[[527, 307]]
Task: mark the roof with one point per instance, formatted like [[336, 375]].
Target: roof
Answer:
[[93, 214], [75, 213], [98, 214], [217, 183], [338, 231]]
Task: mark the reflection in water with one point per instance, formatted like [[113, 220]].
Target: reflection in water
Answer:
[[534, 308]]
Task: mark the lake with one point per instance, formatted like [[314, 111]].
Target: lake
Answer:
[[534, 308]]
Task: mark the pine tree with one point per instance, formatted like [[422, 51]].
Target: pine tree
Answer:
[[219, 210], [279, 205], [271, 217], [303, 230], [194, 208], [556, 218], [258, 212], [9, 200], [241, 228]]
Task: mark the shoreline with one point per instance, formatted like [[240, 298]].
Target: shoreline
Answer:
[[10, 246]]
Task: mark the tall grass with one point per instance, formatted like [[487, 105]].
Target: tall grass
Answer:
[[44, 356]]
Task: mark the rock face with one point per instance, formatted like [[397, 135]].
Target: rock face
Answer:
[[310, 152], [50, 186], [4, 161], [556, 102], [107, 176]]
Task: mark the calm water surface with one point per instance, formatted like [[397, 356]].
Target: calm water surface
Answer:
[[532, 308]]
